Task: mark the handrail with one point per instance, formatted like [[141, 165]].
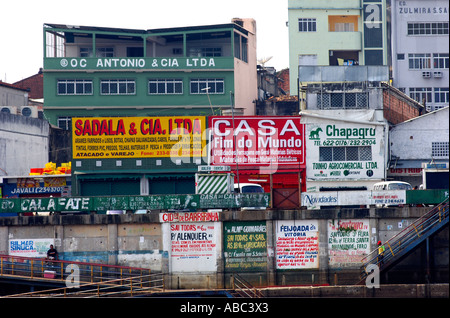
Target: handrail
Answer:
[[131, 286], [405, 238], [35, 268], [244, 288]]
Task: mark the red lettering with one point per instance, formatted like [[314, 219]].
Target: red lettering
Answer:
[[197, 127], [157, 128], [144, 123], [79, 127]]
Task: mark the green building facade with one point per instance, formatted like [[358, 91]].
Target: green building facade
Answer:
[[98, 72]]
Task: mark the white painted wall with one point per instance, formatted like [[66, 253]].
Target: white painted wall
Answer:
[[412, 139], [23, 144]]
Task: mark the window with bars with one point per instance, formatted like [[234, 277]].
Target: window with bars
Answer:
[[118, 87], [353, 153], [74, 87], [165, 86], [342, 100], [65, 123], [439, 149], [307, 25], [207, 86]]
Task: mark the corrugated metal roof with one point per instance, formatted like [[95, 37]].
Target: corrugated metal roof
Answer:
[[149, 31]]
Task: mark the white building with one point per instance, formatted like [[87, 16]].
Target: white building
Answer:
[[420, 50], [417, 142]]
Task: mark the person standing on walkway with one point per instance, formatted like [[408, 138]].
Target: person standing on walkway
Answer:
[[381, 250]]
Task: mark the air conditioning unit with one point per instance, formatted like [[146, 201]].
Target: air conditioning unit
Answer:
[[437, 74], [8, 109], [28, 111], [426, 74]]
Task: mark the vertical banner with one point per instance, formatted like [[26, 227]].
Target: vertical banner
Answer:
[[245, 246], [348, 242], [297, 244], [193, 247]]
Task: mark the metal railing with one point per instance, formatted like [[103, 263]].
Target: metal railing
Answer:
[[138, 286], [60, 271], [406, 240], [242, 288]]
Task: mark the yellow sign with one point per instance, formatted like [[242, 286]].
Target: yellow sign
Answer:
[[138, 137]]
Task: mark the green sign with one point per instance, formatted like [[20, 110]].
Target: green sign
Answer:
[[134, 63], [245, 246], [150, 202]]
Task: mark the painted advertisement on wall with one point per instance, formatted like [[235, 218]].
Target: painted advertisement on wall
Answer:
[[30, 247], [193, 247], [245, 246], [257, 141], [348, 242], [345, 151], [138, 137], [297, 245]]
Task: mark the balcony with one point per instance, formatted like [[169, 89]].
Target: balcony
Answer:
[[191, 48]]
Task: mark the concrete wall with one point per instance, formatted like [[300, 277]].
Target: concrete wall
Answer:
[[21, 136], [149, 241]]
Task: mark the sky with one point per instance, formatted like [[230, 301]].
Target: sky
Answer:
[[21, 24]]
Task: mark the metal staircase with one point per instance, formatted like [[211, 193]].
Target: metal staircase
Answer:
[[405, 242], [243, 289]]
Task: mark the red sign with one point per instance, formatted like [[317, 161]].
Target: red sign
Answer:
[[257, 141]]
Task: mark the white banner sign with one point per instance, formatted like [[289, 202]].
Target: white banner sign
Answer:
[[30, 247], [332, 198]]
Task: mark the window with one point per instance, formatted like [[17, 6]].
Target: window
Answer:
[[65, 123], [307, 25], [421, 94], [205, 52], [441, 95], [118, 87], [439, 149], [427, 28], [210, 86], [440, 60], [344, 27], [363, 153], [165, 86], [74, 87], [100, 52], [419, 61], [342, 100]]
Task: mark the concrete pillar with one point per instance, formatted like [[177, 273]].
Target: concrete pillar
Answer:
[[4, 239], [112, 246], [271, 241], [323, 252]]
